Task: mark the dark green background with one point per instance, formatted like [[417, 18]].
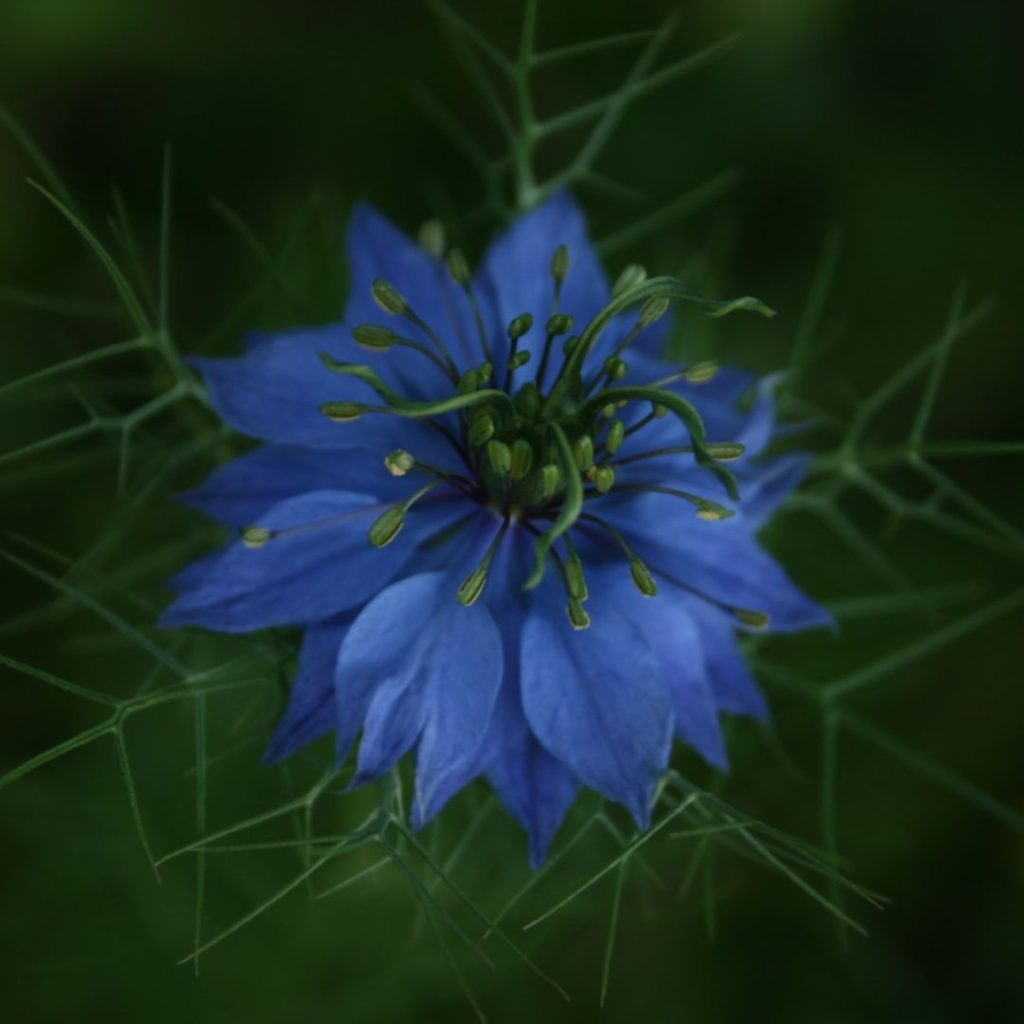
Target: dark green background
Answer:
[[894, 123]]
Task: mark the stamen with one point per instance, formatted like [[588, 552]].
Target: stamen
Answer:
[[392, 301], [578, 616], [431, 238], [499, 455], [400, 463], [698, 373], [560, 323], [518, 326], [379, 339], [641, 575], [574, 578], [481, 430], [459, 269], [604, 479], [473, 585], [614, 438], [630, 278], [559, 270], [721, 451], [683, 411], [256, 537], [522, 458], [388, 525], [572, 505], [651, 311], [583, 452], [709, 511]]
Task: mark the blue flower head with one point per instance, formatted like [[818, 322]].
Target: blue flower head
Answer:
[[511, 533]]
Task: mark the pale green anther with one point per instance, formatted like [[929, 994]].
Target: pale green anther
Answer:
[[519, 359], [604, 479], [560, 323], [519, 325], [659, 411], [399, 462], [342, 412], [473, 585], [499, 455], [753, 619], [484, 372], [432, 238], [577, 614], [387, 526], [615, 368], [569, 344], [583, 451], [632, 276], [725, 451], [711, 512], [458, 267], [527, 400], [481, 430], [374, 337], [642, 578], [653, 309], [548, 479], [388, 297], [256, 536], [522, 458], [560, 263], [700, 373], [608, 411], [467, 383], [575, 581], [616, 433]]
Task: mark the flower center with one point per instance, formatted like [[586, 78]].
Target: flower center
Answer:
[[540, 434]]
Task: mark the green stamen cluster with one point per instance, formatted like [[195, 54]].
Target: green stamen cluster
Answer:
[[539, 449]]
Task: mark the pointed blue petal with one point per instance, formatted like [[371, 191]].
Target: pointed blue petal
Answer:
[[378, 249], [321, 564], [676, 641], [595, 698], [732, 683], [417, 665], [239, 492], [274, 392], [310, 712], [720, 559], [535, 787], [515, 273]]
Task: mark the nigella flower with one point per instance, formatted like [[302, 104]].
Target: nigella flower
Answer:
[[518, 542]]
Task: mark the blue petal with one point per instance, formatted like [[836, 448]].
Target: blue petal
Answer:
[[773, 482], [595, 698], [310, 712], [275, 390], [515, 273], [734, 687], [376, 248], [535, 787], [193, 575], [320, 565], [722, 560], [239, 492], [676, 640], [420, 666]]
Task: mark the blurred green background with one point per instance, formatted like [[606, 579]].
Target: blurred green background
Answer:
[[889, 125]]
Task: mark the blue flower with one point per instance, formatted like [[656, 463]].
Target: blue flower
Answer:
[[513, 543]]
